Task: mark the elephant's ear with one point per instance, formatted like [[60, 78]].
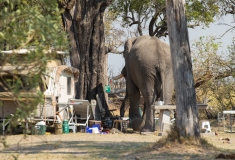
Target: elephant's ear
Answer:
[[128, 45]]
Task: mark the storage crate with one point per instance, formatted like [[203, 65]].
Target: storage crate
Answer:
[[94, 122]]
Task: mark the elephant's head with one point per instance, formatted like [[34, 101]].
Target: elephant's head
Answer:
[[127, 47]]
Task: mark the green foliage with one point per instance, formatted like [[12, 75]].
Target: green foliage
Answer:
[[36, 26], [125, 9], [201, 12], [113, 34], [216, 70], [30, 23], [221, 94], [148, 11]]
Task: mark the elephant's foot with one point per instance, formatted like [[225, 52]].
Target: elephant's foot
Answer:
[[136, 124], [146, 130], [146, 133]]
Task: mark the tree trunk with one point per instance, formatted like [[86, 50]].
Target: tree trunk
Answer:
[[83, 20], [186, 110]]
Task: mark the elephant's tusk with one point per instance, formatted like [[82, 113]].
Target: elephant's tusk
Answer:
[[118, 77]]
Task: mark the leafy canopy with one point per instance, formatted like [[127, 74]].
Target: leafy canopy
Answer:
[[150, 14], [214, 73], [31, 23]]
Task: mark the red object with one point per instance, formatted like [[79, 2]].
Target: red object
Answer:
[[110, 81]]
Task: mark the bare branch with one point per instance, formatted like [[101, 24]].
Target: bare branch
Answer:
[[225, 24], [208, 76], [151, 24], [226, 32], [135, 22], [131, 18]]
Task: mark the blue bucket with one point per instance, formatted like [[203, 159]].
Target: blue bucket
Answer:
[[88, 130], [96, 125]]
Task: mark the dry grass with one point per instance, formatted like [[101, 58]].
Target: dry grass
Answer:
[[114, 146], [75, 146]]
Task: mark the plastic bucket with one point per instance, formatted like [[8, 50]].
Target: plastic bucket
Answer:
[[160, 103], [97, 126], [88, 130], [40, 129], [65, 128], [65, 122], [95, 130]]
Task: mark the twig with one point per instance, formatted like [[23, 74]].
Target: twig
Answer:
[[232, 27]]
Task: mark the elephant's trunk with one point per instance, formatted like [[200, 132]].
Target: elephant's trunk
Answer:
[[118, 77]]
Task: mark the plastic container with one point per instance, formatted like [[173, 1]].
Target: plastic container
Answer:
[[65, 126], [95, 130], [88, 130], [96, 125], [65, 122], [41, 123], [40, 128], [160, 103]]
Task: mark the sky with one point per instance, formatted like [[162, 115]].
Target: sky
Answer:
[[116, 61]]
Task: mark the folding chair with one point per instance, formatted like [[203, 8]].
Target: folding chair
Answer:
[[79, 109]]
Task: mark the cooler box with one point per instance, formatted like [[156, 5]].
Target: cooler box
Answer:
[[40, 128]]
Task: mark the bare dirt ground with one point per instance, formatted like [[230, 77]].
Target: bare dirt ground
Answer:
[[111, 146]]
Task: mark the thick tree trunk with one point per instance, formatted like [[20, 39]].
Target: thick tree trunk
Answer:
[[83, 20], [186, 110]]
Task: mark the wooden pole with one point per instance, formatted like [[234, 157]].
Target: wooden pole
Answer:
[[3, 124], [44, 106]]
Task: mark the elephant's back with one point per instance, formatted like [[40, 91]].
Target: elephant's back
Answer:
[[146, 57], [149, 51], [150, 46]]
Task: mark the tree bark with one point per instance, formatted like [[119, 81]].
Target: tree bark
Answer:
[[186, 108], [83, 20]]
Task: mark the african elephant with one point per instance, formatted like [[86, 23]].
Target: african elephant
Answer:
[[159, 95], [148, 70]]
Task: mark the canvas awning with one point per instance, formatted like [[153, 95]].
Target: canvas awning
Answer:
[[72, 70]]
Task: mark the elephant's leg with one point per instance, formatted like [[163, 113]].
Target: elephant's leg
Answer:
[[148, 116], [123, 106], [144, 110], [134, 99], [149, 93]]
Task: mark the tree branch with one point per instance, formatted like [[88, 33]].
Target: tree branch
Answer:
[[151, 24], [134, 22], [208, 76], [226, 32]]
